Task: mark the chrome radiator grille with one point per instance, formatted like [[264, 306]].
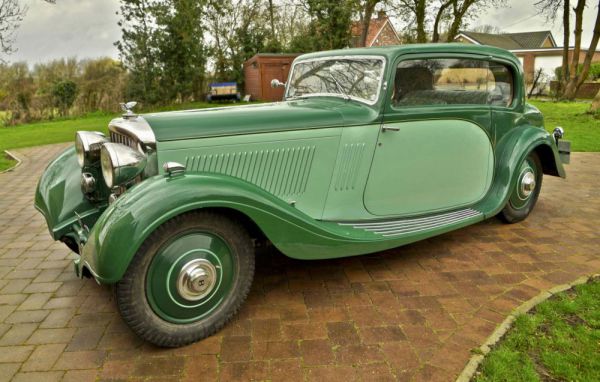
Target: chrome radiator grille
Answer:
[[123, 139]]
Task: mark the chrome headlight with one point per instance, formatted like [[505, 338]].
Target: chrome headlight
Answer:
[[87, 145], [120, 163]]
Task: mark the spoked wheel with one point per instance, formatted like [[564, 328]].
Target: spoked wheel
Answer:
[[526, 192], [187, 280]]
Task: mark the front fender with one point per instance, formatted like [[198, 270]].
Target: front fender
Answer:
[[123, 227], [510, 152], [59, 198]]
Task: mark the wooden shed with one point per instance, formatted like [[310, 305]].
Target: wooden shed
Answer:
[[261, 69]]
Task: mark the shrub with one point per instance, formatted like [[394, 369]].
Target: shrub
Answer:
[[593, 75]]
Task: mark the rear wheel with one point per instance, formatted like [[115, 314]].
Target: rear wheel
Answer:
[[526, 192], [187, 280]]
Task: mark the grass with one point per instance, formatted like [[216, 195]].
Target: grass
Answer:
[[63, 130], [559, 341], [6, 162], [581, 128]]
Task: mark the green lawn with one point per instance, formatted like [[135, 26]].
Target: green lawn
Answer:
[[5, 161], [581, 128], [559, 341]]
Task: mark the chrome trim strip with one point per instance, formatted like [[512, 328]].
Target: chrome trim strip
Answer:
[[413, 225], [417, 225], [412, 220]]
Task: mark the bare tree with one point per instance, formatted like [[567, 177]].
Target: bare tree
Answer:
[[272, 21], [438, 18], [576, 77], [538, 78], [417, 10], [566, 39], [571, 75], [11, 15], [366, 9], [451, 13], [486, 28]]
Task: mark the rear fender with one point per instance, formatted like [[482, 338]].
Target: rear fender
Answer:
[[510, 152]]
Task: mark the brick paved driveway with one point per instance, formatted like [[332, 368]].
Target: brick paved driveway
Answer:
[[412, 313]]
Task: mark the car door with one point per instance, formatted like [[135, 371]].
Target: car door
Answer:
[[435, 145]]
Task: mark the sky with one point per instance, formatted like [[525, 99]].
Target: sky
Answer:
[[88, 28]]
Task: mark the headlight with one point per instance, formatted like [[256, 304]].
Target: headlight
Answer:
[[87, 145], [120, 163]]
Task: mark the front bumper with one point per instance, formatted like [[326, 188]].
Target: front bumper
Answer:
[[564, 151]]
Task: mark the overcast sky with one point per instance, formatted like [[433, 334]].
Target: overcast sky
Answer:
[[88, 28]]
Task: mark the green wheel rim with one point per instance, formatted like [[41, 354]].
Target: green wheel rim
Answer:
[[169, 270], [520, 197]]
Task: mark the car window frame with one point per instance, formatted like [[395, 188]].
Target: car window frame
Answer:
[[516, 72], [380, 87]]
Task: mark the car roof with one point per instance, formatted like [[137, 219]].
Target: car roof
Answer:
[[393, 51]]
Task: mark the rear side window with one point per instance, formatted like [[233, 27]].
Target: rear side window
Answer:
[[452, 81]]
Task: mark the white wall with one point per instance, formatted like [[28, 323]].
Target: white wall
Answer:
[[548, 64]]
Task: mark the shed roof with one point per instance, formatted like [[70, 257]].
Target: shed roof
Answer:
[[270, 55]]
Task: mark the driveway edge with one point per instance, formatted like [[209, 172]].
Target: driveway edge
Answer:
[[476, 359], [13, 156]]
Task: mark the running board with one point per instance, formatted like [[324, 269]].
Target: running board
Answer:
[[407, 226]]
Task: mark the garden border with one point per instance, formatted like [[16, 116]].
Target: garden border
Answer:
[[469, 370], [13, 156]]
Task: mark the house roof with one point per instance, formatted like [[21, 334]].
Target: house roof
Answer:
[[375, 27], [511, 41]]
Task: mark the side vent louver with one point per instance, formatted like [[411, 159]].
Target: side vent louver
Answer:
[[347, 171], [282, 172]]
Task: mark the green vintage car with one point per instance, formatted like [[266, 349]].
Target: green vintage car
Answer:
[[371, 149]]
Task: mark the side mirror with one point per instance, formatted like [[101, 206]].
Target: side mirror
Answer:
[[275, 83]]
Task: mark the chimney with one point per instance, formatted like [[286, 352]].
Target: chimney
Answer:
[[381, 15]]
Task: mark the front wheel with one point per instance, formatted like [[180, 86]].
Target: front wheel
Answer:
[[525, 194], [187, 280]]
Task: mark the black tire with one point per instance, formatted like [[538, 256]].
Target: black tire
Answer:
[[512, 213], [131, 291]]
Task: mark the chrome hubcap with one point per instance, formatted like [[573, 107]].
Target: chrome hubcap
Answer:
[[196, 279], [527, 184]]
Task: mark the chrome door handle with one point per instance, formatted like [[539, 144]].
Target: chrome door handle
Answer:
[[384, 129]]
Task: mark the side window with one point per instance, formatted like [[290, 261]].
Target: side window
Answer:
[[452, 81], [500, 85]]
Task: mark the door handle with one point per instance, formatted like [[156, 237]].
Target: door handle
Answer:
[[384, 129]]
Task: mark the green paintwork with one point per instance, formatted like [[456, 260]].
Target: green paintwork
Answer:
[[261, 118], [134, 216], [318, 176], [161, 291], [58, 196], [511, 151], [412, 167], [290, 165]]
